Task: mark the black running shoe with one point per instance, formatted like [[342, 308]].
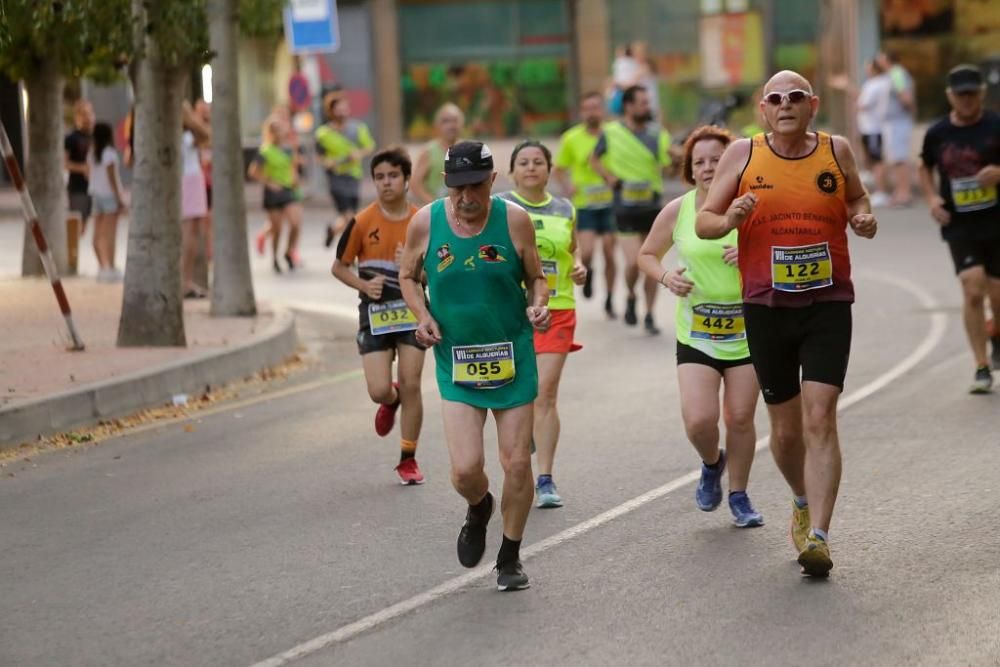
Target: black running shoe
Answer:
[[329, 237], [982, 382], [277, 267], [650, 325], [511, 577], [472, 537], [290, 260], [588, 285], [609, 309], [630, 317]]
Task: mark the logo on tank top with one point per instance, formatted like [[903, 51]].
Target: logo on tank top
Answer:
[[760, 184], [492, 253], [445, 257], [373, 236], [539, 223], [826, 182]]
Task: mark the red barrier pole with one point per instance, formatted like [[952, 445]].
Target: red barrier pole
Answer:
[[31, 218]]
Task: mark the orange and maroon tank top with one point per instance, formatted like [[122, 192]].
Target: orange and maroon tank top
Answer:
[[793, 247]]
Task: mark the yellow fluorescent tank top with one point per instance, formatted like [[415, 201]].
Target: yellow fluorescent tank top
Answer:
[[710, 317], [554, 220]]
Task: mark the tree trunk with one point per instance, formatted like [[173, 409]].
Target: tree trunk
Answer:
[[44, 168], [152, 309], [232, 287]]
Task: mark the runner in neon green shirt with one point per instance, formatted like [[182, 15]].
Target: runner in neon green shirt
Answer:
[[554, 219], [631, 156], [711, 339], [591, 195], [428, 171], [342, 143]]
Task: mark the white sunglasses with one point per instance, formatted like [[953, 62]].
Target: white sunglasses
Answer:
[[793, 96]]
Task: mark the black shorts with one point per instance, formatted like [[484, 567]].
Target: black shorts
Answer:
[[345, 191], [368, 343], [791, 345], [967, 254], [872, 145], [689, 355], [635, 220], [275, 200]]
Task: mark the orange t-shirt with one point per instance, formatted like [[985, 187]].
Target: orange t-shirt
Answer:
[[371, 239], [793, 246]]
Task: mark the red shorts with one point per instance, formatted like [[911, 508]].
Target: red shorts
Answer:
[[559, 338]]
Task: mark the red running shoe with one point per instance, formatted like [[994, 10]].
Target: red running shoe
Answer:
[[409, 472], [260, 241], [385, 418]]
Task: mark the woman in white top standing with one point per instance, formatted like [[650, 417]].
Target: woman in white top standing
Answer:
[[108, 198], [872, 103], [194, 200]]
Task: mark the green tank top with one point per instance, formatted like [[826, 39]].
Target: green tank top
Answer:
[[434, 180], [486, 357], [710, 318], [554, 220]]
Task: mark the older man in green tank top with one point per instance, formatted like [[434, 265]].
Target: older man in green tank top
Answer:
[[478, 252]]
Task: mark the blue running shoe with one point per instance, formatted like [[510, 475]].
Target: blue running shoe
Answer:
[[708, 495], [547, 495], [744, 514]]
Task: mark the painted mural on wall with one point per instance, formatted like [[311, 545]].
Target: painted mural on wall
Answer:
[[501, 98]]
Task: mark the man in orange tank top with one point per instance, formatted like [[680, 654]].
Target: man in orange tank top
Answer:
[[791, 194]]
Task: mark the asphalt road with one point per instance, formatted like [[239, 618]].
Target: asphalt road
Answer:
[[274, 529]]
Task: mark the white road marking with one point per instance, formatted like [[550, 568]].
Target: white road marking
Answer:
[[939, 322]]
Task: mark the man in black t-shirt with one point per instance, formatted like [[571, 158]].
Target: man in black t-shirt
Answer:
[[75, 148], [964, 149]]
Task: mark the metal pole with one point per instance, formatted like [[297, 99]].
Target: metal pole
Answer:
[[31, 218]]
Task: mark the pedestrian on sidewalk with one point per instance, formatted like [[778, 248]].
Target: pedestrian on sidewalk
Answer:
[[342, 142], [428, 172], [963, 148], [374, 240], [276, 168], [76, 148], [203, 110], [194, 200], [108, 199], [897, 131], [873, 104]]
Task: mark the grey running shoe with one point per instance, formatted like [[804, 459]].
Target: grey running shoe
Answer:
[[983, 381], [511, 577]]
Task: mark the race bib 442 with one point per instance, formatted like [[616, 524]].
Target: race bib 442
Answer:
[[718, 322]]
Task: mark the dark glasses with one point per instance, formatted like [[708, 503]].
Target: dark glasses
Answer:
[[793, 96]]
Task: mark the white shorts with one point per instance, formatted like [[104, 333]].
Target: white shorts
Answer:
[[896, 136], [194, 196]]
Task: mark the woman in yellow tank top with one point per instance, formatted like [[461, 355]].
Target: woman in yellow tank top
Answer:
[[711, 340]]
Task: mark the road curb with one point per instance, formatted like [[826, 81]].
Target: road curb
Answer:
[[148, 388]]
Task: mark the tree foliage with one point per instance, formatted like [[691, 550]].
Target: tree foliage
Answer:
[[261, 18], [87, 37]]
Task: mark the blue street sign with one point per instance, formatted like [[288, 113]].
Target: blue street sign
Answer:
[[311, 26]]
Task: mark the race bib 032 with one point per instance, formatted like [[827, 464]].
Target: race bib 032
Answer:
[[390, 317], [969, 195]]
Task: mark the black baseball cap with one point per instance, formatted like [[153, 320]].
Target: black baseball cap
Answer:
[[466, 163], [965, 78]]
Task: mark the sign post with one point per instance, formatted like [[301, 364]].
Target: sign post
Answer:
[[311, 26]]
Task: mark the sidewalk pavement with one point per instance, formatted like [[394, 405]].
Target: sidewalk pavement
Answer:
[[44, 388]]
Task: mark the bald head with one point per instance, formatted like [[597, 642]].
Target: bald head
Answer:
[[786, 80]]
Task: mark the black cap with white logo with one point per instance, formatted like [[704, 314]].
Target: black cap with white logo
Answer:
[[466, 163], [965, 78]]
